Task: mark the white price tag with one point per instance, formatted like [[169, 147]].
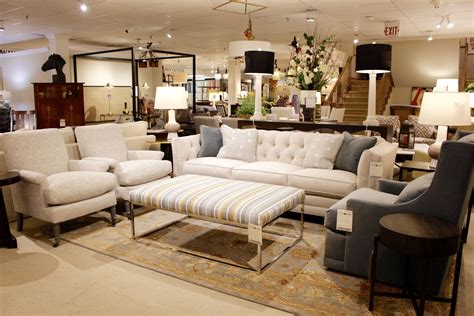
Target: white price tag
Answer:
[[255, 234], [344, 220], [376, 170]]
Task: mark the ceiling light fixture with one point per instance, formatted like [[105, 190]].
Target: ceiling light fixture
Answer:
[[450, 24], [309, 19], [430, 37], [218, 75], [168, 35], [240, 6], [225, 75], [2, 28], [443, 18], [83, 6], [356, 39], [374, 42]]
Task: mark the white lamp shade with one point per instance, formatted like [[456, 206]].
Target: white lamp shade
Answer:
[[238, 48], [171, 98], [447, 85], [471, 99], [445, 108], [214, 96]]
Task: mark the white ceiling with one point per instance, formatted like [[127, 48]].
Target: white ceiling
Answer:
[[198, 29]]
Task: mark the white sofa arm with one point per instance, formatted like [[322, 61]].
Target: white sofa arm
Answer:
[[32, 177], [184, 148], [112, 163], [145, 155], [88, 165], [383, 152]]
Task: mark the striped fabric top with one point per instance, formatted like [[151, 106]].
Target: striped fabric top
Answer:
[[235, 201]]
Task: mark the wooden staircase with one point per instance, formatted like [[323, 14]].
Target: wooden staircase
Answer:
[[355, 101]]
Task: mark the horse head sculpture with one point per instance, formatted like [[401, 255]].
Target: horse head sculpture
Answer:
[[55, 61]]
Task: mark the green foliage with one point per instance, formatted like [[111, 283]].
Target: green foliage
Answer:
[[470, 88], [247, 106]]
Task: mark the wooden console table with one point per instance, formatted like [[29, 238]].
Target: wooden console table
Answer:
[[385, 131]]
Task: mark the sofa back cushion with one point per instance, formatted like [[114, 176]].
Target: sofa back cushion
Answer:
[[288, 147], [103, 140], [239, 144], [323, 151], [133, 129]]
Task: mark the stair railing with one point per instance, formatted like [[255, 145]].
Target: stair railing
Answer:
[[384, 88], [342, 84]]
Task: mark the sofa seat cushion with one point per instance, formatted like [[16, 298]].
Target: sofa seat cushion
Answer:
[[212, 166], [75, 186], [334, 183], [136, 172], [270, 172]]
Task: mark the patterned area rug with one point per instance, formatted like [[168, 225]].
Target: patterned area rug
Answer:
[[297, 282]]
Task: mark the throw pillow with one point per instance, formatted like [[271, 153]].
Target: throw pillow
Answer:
[[426, 131], [240, 144], [323, 151], [415, 188], [351, 150], [393, 120], [211, 141]]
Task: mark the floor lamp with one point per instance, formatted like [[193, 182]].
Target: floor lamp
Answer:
[[373, 59], [171, 99], [444, 109], [258, 63]]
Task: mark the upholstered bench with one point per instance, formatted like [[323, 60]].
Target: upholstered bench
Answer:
[[238, 203]]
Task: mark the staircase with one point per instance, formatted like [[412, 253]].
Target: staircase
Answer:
[[355, 101]]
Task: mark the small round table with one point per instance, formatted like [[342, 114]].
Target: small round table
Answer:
[[6, 238], [418, 236]]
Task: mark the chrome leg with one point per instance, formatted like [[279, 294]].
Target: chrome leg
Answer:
[[113, 216], [56, 232], [302, 220]]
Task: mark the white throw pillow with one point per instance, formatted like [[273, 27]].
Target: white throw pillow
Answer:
[[240, 144], [323, 151]]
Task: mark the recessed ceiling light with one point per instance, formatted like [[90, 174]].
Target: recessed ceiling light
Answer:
[[169, 35], [2, 28], [83, 6], [309, 19]]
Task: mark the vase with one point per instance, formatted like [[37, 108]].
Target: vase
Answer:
[[312, 100]]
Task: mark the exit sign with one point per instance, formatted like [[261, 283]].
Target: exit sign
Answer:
[[391, 29]]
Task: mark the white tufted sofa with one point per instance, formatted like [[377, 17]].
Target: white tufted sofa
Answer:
[[279, 161]]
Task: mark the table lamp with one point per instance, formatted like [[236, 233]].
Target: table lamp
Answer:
[[258, 63], [171, 99], [373, 59], [109, 88], [444, 109]]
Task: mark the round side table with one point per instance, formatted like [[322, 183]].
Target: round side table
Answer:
[[6, 238], [418, 236]]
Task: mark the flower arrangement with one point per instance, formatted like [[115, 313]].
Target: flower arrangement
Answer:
[[311, 65]]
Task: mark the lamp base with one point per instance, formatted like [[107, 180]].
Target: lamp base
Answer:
[[172, 127], [256, 117], [371, 121]]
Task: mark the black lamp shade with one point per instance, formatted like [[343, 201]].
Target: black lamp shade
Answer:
[[259, 62], [374, 58]]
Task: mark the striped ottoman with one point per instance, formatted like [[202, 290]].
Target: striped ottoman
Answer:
[[238, 203]]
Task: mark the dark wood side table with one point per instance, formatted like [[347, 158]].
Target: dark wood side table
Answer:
[[6, 238], [411, 165], [423, 237]]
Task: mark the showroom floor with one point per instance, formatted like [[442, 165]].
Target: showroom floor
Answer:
[[38, 279]]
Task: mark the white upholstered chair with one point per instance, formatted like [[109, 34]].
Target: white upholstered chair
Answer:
[[135, 134], [133, 168], [52, 187]]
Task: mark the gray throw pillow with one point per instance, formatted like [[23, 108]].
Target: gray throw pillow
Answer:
[[211, 141], [351, 150], [415, 188]]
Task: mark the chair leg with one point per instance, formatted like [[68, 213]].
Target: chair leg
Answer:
[[113, 217], [128, 207], [56, 232], [19, 222]]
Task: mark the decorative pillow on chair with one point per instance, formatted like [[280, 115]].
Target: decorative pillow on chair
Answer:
[[351, 150], [425, 131], [415, 188], [211, 141], [323, 151], [240, 144]]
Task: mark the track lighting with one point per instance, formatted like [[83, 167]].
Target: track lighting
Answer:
[[450, 24], [225, 75], [309, 19], [169, 35], [356, 39], [430, 38], [445, 17], [218, 75]]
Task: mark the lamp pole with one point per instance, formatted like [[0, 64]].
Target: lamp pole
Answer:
[[257, 114], [371, 118]]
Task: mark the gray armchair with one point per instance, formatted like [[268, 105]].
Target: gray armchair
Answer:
[[444, 194]]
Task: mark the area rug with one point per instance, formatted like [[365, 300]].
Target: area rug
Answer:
[[296, 283]]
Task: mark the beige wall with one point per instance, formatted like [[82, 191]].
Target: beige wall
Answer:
[[420, 63]]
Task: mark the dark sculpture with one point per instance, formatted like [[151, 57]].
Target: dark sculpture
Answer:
[[55, 61]]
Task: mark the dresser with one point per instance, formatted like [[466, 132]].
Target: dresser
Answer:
[[59, 104]]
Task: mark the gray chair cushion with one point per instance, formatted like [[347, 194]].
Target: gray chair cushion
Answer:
[[351, 150], [415, 188], [211, 141]]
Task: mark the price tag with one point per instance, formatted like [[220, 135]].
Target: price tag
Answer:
[[376, 169], [255, 234], [344, 220]]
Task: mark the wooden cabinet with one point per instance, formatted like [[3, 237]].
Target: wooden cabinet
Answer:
[[57, 101]]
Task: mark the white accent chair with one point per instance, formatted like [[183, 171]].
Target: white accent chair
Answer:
[[52, 187], [133, 168], [287, 113]]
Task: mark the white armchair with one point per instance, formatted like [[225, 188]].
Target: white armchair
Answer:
[[52, 187], [133, 168]]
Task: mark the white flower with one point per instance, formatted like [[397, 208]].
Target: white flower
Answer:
[[292, 63], [291, 72]]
